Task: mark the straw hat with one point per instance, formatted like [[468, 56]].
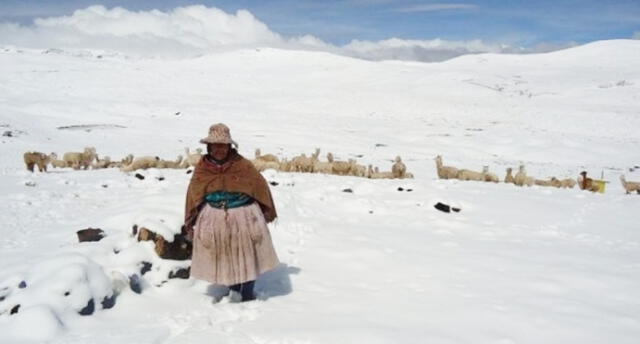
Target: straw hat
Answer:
[[219, 133]]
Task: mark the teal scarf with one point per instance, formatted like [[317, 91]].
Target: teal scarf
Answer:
[[228, 200]]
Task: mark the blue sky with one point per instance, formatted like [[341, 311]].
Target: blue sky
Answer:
[[515, 22]]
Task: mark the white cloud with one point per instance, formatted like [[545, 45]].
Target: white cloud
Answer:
[[185, 30], [434, 7], [194, 30]]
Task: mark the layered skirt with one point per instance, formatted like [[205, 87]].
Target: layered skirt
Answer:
[[231, 246]]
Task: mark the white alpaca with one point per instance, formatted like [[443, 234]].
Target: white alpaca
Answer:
[[343, 168], [77, 160], [191, 159], [568, 183], [470, 175], [629, 187], [488, 176], [57, 163], [324, 167], [266, 157], [169, 163], [104, 163], [376, 174], [520, 177], [399, 169], [445, 172], [141, 163]]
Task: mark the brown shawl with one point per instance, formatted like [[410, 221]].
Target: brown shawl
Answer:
[[236, 175]]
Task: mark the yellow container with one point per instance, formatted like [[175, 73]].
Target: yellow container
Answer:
[[602, 184]]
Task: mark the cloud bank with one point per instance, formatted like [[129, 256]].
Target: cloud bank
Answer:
[[196, 30]]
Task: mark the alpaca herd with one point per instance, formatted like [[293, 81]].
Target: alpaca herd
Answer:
[[312, 164], [522, 179]]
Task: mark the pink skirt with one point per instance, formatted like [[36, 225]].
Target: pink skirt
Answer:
[[232, 246]]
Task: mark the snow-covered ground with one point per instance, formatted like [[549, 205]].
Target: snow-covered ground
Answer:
[[378, 265]]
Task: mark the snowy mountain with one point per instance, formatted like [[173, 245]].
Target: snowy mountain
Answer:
[[516, 265]]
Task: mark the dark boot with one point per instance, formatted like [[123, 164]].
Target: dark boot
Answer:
[[245, 290]]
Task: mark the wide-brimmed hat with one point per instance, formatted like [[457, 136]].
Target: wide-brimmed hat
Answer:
[[219, 133]]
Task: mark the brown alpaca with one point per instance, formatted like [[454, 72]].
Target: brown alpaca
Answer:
[[587, 183]]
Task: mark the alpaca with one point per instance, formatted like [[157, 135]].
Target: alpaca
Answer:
[[587, 183], [399, 169], [568, 183], [302, 163], [343, 168], [324, 167], [470, 175], [360, 171], [285, 166], [509, 177], [80, 160], [104, 163], [520, 177], [32, 159], [170, 164], [376, 174], [57, 163], [266, 157], [262, 165], [629, 186], [445, 172], [143, 163], [541, 182], [191, 159], [488, 176]]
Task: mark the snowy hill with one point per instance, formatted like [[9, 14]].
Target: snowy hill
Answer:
[[516, 265]]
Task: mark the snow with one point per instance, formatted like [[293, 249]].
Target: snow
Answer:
[[378, 265]]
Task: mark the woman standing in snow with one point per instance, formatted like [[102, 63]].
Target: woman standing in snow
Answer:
[[228, 206]]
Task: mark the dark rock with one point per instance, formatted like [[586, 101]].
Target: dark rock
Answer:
[[108, 302], [146, 267], [134, 284], [105, 185], [139, 176], [90, 234], [189, 171], [370, 211], [88, 309], [160, 178], [14, 310], [446, 208], [7, 133], [180, 273], [22, 285], [67, 293], [177, 113], [409, 190], [274, 183], [380, 145], [134, 229], [442, 207], [347, 190], [400, 188]]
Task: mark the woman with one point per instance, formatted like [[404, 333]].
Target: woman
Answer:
[[228, 206]]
